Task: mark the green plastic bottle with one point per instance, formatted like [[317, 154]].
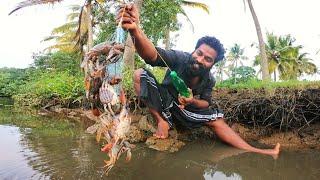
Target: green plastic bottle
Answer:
[[179, 84]]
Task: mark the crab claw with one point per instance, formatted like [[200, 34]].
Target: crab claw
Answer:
[[128, 157], [107, 147]]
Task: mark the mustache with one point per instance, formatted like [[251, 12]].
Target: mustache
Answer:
[[196, 69]]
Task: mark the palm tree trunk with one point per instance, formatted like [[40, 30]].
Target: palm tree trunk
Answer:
[[167, 39], [263, 54], [235, 75], [90, 29], [129, 51]]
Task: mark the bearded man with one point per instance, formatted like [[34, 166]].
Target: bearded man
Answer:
[[163, 100]]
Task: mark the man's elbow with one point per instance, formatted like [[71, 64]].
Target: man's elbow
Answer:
[[150, 59]]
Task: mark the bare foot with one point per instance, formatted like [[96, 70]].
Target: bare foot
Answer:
[[162, 131], [272, 152], [276, 151]]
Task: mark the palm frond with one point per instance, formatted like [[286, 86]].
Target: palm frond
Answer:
[[65, 28], [66, 47], [49, 38], [244, 5], [75, 7], [196, 5], [189, 20], [73, 16], [32, 3]]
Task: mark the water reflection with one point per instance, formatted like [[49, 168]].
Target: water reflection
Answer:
[[27, 154], [290, 165], [212, 174]]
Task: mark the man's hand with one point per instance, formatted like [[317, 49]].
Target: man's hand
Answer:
[[185, 101], [129, 16]]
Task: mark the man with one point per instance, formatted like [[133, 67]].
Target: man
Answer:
[[164, 102]]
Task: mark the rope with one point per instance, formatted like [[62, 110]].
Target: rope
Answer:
[[163, 61]]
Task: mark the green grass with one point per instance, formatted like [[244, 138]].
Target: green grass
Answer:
[[57, 85], [258, 84]]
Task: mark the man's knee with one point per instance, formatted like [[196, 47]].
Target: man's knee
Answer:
[[216, 123]]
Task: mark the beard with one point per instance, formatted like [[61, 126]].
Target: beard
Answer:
[[195, 69]]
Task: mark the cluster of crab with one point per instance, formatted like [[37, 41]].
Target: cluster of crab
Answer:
[[102, 67]]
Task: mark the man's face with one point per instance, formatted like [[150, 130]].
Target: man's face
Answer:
[[202, 61], [205, 55]]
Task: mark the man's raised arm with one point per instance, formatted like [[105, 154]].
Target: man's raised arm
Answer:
[[130, 21]]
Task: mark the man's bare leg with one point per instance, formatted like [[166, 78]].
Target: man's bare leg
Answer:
[[163, 126], [226, 134]]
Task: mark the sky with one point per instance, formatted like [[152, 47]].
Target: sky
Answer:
[[22, 33]]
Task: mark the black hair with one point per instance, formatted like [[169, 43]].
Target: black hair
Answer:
[[213, 43]]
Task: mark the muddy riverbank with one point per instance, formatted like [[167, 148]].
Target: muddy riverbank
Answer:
[[288, 116], [143, 126]]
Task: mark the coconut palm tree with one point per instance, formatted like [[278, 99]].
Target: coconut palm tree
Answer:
[[263, 54], [298, 64], [286, 58], [236, 56], [84, 34], [65, 34], [221, 69], [192, 4], [279, 52]]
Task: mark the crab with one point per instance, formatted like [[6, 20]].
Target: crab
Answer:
[[114, 154], [102, 84]]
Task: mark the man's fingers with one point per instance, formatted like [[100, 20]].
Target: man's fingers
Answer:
[[125, 19], [128, 6], [181, 100], [127, 13]]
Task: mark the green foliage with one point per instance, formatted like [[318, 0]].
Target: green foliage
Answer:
[[52, 76], [58, 62], [127, 82], [10, 80], [243, 73], [59, 86], [159, 16], [159, 73], [106, 25], [286, 58]]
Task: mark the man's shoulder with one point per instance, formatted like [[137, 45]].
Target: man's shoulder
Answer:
[[174, 52]]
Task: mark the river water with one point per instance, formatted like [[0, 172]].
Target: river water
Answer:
[[37, 150]]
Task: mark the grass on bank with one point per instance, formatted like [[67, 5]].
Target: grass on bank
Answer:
[[59, 86], [258, 84]]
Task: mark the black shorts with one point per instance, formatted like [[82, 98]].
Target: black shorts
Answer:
[[157, 97]]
